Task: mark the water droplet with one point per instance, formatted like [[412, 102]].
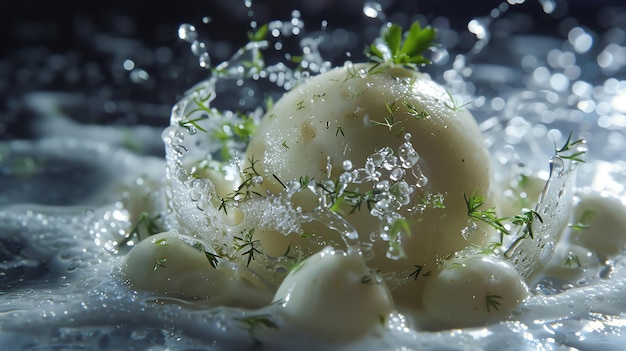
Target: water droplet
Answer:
[[329, 167], [390, 162], [187, 32], [363, 72], [396, 174], [372, 9], [375, 160], [257, 181], [198, 48], [374, 236], [347, 165], [469, 229], [128, 65], [194, 195], [395, 251], [204, 60], [420, 179], [556, 166], [139, 76], [408, 156]]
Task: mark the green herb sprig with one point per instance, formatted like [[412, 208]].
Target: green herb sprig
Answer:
[[575, 146], [388, 120], [489, 216], [407, 52], [417, 272], [150, 225], [454, 104], [255, 322], [248, 245], [246, 189], [572, 260], [211, 257]]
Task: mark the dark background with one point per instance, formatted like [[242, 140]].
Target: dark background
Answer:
[[79, 46]]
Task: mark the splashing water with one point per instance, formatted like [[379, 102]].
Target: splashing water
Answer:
[[62, 261]]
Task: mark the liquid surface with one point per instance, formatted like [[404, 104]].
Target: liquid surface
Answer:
[[68, 196]]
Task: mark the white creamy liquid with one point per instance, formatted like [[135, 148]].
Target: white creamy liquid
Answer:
[[63, 287]]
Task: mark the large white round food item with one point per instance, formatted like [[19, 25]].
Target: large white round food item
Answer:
[[351, 112], [473, 290], [167, 263], [519, 194], [570, 261], [598, 224], [334, 295]]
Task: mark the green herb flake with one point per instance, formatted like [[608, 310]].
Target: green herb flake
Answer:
[[160, 263], [340, 131], [162, 242], [413, 111], [492, 302], [572, 260], [584, 221], [416, 273], [259, 34]]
